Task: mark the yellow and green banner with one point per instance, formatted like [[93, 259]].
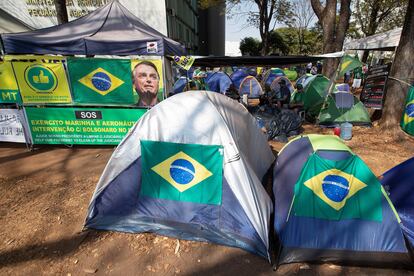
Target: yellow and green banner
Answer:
[[182, 172], [42, 81], [84, 126], [337, 190], [101, 81], [407, 120], [9, 91], [184, 61]]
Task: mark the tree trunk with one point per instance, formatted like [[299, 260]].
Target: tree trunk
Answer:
[[333, 32], [365, 56], [403, 69], [61, 11]]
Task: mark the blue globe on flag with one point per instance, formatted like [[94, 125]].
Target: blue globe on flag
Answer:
[[409, 110], [101, 81], [182, 171], [335, 187]]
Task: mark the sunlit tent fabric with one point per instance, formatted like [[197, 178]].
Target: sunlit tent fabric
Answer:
[[407, 120], [190, 168], [315, 90], [250, 86], [238, 76], [271, 74], [109, 30], [341, 107], [329, 206], [399, 184], [219, 82]]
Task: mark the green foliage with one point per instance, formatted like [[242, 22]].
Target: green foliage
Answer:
[[277, 44], [250, 46], [376, 16], [312, 41]]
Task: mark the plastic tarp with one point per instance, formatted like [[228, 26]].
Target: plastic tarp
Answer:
[[109, 30]]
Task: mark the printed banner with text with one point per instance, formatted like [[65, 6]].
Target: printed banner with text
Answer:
[[101, 81], [11, 128], [9, 91], [83, 126], [42, 81]]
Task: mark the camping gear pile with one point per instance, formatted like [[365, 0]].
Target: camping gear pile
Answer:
[[278, 124]]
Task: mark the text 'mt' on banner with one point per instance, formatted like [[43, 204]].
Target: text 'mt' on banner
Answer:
[[42, 81], [9, 91], [101, 81]]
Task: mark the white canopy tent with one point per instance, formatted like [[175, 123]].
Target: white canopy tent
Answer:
[[384, 41]]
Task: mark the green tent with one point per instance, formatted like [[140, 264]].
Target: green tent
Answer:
[[341, 107], [291, 74], [315, 91], [407, 120]]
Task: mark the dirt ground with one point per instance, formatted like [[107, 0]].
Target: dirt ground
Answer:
[[45, 195]]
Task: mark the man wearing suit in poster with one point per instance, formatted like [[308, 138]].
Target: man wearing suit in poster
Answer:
[[146, 81]]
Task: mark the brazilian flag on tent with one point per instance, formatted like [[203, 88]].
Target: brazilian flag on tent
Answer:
[[407, 120], [349, 63], [182, 172], [336, 190], [101, 81]]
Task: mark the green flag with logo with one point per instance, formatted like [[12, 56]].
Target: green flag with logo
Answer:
[[336, 190], [407, 120], [101, 81], [182, 172]]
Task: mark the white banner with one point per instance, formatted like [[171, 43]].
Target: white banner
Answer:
[[11, 129], [39, 14]]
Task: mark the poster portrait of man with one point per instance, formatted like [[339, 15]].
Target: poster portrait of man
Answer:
[[147, 82]]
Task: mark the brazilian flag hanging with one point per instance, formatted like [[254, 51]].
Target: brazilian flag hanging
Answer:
[[407, 120], [349, 63], [337, 190], [101, 81], [182, 172]]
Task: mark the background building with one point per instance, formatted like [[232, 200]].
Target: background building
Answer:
[[201, 31]]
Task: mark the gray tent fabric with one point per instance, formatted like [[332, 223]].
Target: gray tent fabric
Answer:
[[109, 30], [344, 99]]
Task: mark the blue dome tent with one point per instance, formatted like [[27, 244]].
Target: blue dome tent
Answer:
[[330, 207], [399, 184], [250, 86], [238, 76], [183, 180], [271, 74], [219, 82]]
